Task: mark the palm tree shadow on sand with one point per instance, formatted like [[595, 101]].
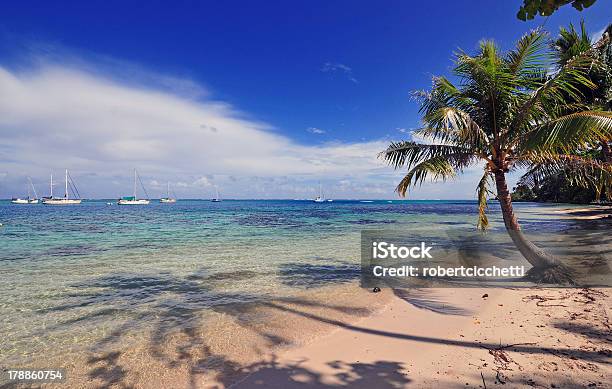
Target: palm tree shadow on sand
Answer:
[[170, 309]]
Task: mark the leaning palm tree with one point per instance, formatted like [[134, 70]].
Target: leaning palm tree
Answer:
[[507, 111]]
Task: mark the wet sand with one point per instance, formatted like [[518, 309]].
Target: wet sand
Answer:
[[215, 349]]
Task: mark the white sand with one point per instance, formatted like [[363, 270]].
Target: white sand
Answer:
[[592, 212], [448, 337]]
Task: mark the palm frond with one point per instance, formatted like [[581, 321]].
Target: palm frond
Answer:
[[483, 191], [455, 126], [550, 98], [570, 132], [408, 154], [581, 171], [437, 168], [529, 55]]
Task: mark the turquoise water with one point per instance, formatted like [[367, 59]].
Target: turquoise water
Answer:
[[77, 273]]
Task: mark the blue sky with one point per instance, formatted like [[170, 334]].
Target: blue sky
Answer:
[[261, 99]]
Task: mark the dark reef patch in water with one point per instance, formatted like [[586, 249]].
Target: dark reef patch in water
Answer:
[[302, 275], [269, 220], [232, 275], [141, 245], [371, 221], [72, 250]]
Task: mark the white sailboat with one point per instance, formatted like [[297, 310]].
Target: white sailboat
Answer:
[[134, 200], [29, 199], [319, 198], [216, 199], [62, 200], [167, 199]]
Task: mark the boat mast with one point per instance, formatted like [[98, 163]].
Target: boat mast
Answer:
[[66, 190], [51, 185], [134, 183], [34, 189], [320, 190], [168, 189]]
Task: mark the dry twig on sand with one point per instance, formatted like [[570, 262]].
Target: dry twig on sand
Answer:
[[542, 299]]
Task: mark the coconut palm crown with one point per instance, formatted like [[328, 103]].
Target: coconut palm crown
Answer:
[[507, 111]]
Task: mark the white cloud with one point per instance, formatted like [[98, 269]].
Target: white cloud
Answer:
[[202, 181], [54, 116], [329, 67], [315, 130], [597, 35]]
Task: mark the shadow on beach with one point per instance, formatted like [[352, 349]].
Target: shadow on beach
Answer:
[[171, 310]]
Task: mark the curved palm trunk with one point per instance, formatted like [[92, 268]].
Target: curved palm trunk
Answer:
[[534, 255]]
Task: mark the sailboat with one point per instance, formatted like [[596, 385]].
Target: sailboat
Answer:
[[167, 199], [133, 200], [216, 199], [63, 200], [29, 199], [319, 198]]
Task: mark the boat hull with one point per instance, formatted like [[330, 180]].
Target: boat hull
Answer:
[[61, 201], [19, 201], [133, 202], [167, 201]]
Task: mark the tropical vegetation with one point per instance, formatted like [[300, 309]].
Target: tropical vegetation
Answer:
[[506, 112], [531, 8], [587, 176]]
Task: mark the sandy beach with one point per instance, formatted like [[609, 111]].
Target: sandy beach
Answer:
[[457, 338], [421, 338], [592, 212]]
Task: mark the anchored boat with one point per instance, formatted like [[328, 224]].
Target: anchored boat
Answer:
[[216, 199], [320, 198], [29, 199], [134, 200], [69, 183], [168, 199]]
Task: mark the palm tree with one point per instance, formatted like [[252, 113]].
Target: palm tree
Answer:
[[508, 111], [593, 170]]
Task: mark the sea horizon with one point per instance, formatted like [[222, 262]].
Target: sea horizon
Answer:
[[275, 199]]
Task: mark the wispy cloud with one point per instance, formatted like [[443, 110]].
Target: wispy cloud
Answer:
[[404, 130], [54, 116], [315, 130], [330, 67], [598, 34], [57, 115]]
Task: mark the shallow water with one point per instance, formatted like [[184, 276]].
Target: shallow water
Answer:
[[79, 278]]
